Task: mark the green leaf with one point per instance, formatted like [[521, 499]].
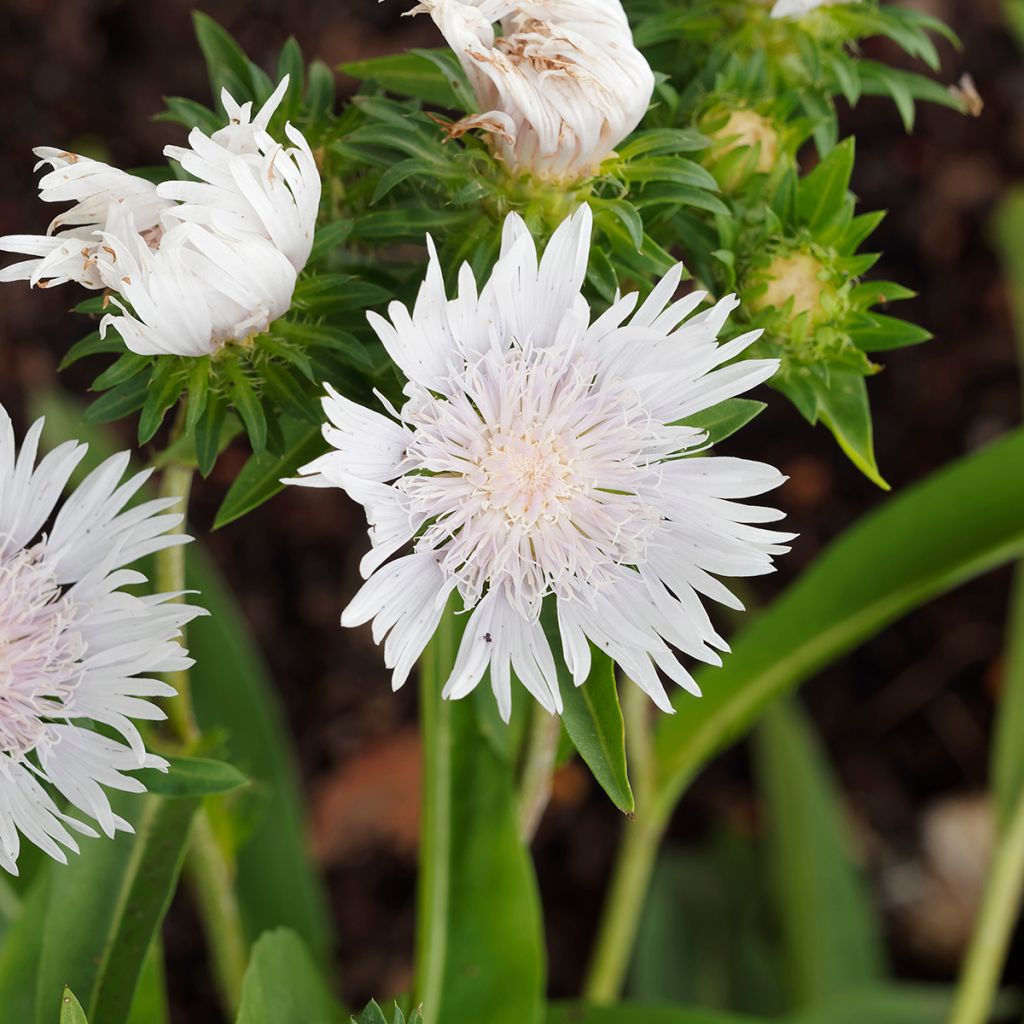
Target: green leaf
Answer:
[[247, 405], [226, 64], [724, 419], [882, 333], [150, 1004], [407, 74], [290, 63], [91, 345], [165, 386], [832, 940], [962, 521], [106, 905], [593, 719], [892, 1004], [820, 194], [284, 986], [209, 431], [192, 776], [20, 953], [71, 1011], [119, 402], [262, 476], [843, 408], [124, 368], [480, 946], [320, 90]]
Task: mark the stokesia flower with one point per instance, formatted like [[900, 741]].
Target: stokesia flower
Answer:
[[248, 183], [540, 457], [191, 266], [76, 650], [796, 8], [67, 252], [560, 88]]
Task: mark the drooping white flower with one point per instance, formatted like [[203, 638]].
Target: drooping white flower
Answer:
[[560, 88], [539, 457], [67, 252], [190, 265], [197, 291], [796, 8], [76, 650], [249, 184]]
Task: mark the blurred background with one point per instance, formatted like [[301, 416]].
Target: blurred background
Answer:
[[906, 720]]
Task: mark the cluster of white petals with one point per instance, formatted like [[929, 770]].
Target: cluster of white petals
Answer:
[[796, 8], [559, 89], [538, 457], [190, 265], [76, 649]]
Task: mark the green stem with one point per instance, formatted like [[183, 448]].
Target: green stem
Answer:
[[210, 873], [986, 956], [538, 771], [433, 896], [627, 895]]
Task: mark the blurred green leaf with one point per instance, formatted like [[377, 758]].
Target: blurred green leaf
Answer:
[[226, 63], [638, 1013], [724, 419], [20, 953], [106, 905], [150, 1005], [192, 776], [407, 74], [284, 986], [956, 524], [832, 939], [480, 947]]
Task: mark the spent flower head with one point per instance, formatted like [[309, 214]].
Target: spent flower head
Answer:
[[541, 457], [77, 650], [558, 89]]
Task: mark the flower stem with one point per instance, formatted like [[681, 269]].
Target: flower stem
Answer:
[[433, 895], [634, 865], [986, 956], [209, 872], [538, 770]]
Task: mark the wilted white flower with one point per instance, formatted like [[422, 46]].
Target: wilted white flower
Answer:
[[539, 456], [76, 650], [67, 252], [560, 88], [190, 265], [795, 8]]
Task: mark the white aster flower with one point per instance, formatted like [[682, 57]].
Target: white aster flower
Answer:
[[67, 252], [538, 457], [796, 8], [191, 265], [76, 650], [560, 88], [249, 184]]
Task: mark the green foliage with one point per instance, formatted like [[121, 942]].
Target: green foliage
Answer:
[[953, 526], [192, 776], [71, 1011], [284, 986], [373, 1014]]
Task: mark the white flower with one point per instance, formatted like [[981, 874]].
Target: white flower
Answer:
[[67, 252], [796, 8], [248, 183], [538, 457], [75, 649], [191, 265], [195, 292], [562, 86]]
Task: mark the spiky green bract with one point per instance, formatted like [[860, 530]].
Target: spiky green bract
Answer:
[[373, 1014]]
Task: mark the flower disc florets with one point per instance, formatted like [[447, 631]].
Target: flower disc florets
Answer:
[[539, 457]]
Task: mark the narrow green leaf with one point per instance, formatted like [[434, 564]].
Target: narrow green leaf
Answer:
[[893, 1004], [192, 776], [960, 522], [882, 333], [20, 953], [198, 392], [726, 418], [71, 1011], [263, 475], [119, 402], [638, 1013], [480, 947], [107, 904], [290, 63], [247, 405], [844, 409], [321, 89], [91, 345], [150, 1004], [124, 368], [284, 986], [208, 433], [829, 953], [329, 237], [166, 385], [593, 719], [407, 74], [226, 64], [820, 194]]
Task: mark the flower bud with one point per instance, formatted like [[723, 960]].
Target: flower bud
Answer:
[[744, 142], [558, 90]]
